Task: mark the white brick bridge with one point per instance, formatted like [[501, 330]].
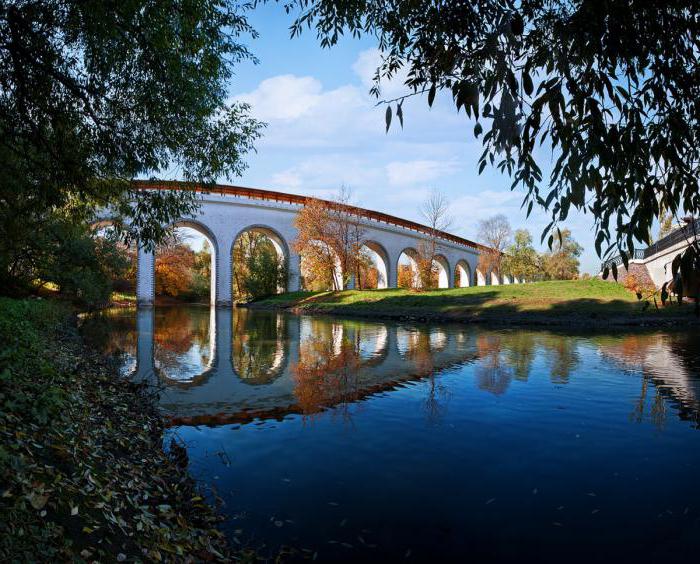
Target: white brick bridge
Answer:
[[226, 212]]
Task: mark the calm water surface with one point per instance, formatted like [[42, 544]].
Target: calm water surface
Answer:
[[351, 440]]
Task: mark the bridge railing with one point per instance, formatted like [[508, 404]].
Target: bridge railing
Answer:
[[282, 197]]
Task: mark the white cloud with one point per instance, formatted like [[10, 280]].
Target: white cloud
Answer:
[[403, 173]]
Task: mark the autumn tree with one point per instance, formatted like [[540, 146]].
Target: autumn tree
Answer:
[[330, 240], [495, 233], [561, 263], [521, 259], [435, 212]]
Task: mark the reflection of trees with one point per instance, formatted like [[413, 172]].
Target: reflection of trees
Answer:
[[509, 355], [258, 345], [520, 353], [112, 332], [563, 357], [326, 372], [178, 332], [493, 373]]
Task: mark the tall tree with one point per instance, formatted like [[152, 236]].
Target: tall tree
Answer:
[[97, 93], [330, 238], [521, 259], [561, 263], [435, 212], [494, 232], [611, 88]]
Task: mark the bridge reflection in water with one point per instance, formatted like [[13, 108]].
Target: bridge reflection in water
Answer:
[[222, 365]]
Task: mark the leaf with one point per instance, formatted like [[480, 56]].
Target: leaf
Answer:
[[399, 113], [387, 117], [38, 501], [74, 510], [431, 95], [478, 129], [527, 83]]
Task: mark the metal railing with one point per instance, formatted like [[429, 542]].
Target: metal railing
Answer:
[[271, 195], [617, 260], [684, 234]]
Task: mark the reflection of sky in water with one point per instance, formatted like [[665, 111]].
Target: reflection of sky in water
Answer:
[[373, 341], [183, 367]]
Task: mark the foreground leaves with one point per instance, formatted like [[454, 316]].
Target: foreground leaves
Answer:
[[83, 472]]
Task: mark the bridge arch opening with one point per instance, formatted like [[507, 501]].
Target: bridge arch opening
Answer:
[[185, 263], [463, 274], [407, 269], [260, 263], [494, 278], [373, 271], [480, 278], [408, 274], [441, 272]]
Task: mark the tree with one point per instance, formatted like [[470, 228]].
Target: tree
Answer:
[[98, 93], [330, 239], [521, 259], [610, 87], [561, 263], [258, 270], [435, 211], [495, 233]]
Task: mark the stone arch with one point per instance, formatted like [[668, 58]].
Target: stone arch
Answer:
[[202, 229], [479, 278], [412, 255], [462, 274], [381, 262], [494, 278], [444, 271], [278, 242]]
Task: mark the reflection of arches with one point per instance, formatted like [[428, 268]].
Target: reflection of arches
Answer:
[[278, 242], [463, 274], [372, 344], [258, 355], [480, 278], [381, 262], [185, 345], [203, 230]]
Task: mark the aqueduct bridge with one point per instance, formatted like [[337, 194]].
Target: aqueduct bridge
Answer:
[[226, 212]]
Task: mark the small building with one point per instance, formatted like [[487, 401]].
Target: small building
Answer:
[[653, 264]]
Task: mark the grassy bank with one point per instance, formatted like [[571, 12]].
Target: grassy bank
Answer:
[[585, 302], [83, 475]]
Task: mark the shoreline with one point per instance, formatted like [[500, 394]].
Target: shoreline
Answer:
[[85, 472]]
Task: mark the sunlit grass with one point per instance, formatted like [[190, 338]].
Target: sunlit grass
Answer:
[[582, 297]]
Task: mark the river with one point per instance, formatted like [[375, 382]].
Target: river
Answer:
[[358, 440]]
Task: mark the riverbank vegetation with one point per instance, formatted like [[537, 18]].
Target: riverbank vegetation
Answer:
[[83, 471], [584, 302]]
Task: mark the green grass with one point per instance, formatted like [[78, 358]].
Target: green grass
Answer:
[[580, 298]]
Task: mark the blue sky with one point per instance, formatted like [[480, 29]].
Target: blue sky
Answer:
[[325, 130]]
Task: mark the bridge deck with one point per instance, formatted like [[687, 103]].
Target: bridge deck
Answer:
[[273, 196]]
